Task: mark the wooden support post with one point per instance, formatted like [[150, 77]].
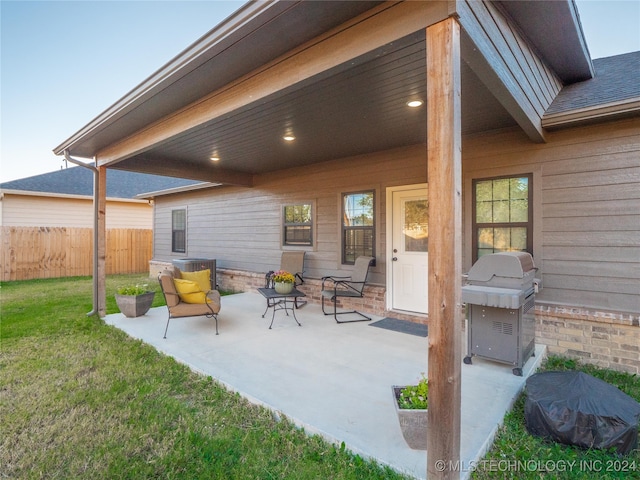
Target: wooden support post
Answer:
[[102, 242], [444, 170]]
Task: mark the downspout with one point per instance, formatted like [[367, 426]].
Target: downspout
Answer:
[[95, 228]]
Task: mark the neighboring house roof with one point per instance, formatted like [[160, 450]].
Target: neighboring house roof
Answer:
[[79, 181], [615, 88]]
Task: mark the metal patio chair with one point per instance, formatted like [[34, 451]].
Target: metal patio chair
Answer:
[[347, 287], [180, 309], [292, 262]]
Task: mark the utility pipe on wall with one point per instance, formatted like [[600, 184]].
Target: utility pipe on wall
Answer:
[[96, 191]]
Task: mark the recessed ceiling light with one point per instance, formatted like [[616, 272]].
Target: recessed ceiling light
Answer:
[[414, 103], [288, 138], [214, 158]]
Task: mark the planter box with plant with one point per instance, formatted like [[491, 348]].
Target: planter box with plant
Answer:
[[411, 406], [134, 300]]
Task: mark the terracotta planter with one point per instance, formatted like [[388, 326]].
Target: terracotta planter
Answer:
[[283, 287], [135, 305], [413, 423]]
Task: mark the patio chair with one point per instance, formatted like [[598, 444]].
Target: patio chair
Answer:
[[205, 303], [347, 287], [292, 262]]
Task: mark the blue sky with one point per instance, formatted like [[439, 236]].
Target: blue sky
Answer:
[[64, 62]]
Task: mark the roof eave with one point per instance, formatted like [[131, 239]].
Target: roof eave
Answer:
[[70, 196], [251, 16], [171, 191], [550, 25], [598, 113], [182, 64]]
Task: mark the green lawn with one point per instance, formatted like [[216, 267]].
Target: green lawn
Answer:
[[516, 454], [80, 399]]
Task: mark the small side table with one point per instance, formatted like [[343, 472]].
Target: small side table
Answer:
[[281, 301]]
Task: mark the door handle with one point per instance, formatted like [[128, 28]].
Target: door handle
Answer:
[[395, 259]]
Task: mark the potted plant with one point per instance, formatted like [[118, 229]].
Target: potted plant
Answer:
[[283, 281], [411, 404], [134, 300]]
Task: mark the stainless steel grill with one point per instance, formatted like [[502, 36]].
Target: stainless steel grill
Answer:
[[500, 297]]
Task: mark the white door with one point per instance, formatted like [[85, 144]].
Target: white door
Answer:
[[410, 250]]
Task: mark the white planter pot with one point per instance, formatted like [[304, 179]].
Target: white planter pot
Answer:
[[283, 287]]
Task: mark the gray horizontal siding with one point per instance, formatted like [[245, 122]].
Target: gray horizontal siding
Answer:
[[557, 293], [241, 227], [577, 254], [586, 210], [593, 202], [509, 66], [536, 81], [587, 202], [567, 223]]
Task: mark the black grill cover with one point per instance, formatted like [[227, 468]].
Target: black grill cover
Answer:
[[578, 409]]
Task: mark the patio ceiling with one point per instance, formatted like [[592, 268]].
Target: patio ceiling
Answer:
[[352, 109], [342, 105]]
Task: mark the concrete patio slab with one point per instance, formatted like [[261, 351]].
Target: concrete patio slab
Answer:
[[333, 380]]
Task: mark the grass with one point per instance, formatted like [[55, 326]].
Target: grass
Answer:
[[80, 399], [516, 454]]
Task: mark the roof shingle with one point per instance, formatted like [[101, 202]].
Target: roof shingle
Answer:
[[79, 181], [616, 79]]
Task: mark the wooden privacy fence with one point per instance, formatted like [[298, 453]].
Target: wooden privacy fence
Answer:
[[51, 252]]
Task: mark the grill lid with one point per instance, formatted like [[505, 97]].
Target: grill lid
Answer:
[[503, 264], [494, 297]]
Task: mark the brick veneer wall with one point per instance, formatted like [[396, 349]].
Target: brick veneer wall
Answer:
[[241, 281], [608, 340]]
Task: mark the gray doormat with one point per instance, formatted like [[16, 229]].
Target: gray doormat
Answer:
[[403, 326]]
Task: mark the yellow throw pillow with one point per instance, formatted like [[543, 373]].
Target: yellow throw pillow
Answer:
[[189, 291], [201, 277]]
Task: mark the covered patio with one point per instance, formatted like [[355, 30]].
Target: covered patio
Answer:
[[362, 98], [332, 380]]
